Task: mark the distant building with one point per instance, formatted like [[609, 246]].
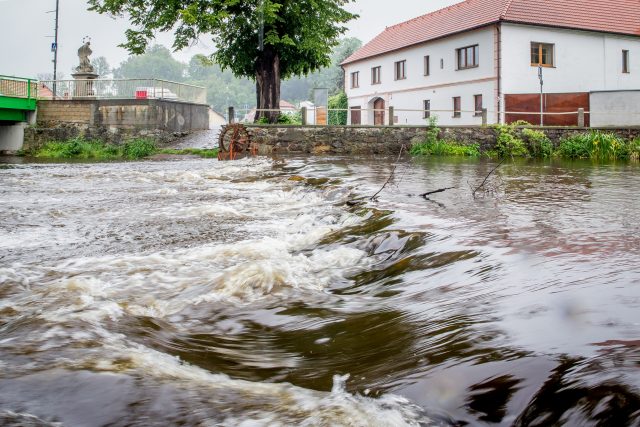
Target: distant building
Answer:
[[485, 54], [285, 108]]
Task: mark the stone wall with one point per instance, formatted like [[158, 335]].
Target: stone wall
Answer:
[[115, 120], [384, 139]]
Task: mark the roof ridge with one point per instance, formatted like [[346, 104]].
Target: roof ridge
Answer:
[[442, 9], [503, 15]]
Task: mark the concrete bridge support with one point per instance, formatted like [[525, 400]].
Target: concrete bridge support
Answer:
[[11, 137]]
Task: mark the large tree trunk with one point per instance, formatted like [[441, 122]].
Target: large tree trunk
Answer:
[[268, 85]]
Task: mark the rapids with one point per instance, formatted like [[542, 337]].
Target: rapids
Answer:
[[269, 292]]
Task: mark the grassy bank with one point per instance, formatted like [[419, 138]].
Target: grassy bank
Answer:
[[134, 149], [514, 141]]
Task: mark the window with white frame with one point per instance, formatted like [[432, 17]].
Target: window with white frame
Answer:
[[375, 75]]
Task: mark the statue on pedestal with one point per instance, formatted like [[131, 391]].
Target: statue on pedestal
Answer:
[[83, 54], [85, 72]]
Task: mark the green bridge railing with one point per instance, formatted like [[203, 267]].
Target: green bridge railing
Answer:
[[17, 96]]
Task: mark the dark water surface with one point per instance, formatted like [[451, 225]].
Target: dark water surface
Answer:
[[258, 293]]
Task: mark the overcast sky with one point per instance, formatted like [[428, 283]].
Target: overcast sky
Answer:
[[26, 29]]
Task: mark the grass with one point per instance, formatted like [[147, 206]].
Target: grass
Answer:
[[599, 146], [133, 149], [445, 148]]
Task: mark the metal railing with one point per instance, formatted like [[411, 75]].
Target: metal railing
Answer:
[[18, 87], [122, 89], [387, 116]]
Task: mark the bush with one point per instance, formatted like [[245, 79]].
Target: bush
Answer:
[[508, 144], [539, 144], [138, 148], [596, 145], [432, 145], [290, 118], [338, 102]]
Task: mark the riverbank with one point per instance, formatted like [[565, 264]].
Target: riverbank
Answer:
[[358, 140], [134, 149]]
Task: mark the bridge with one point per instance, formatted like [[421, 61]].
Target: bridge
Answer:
[[18, 97]]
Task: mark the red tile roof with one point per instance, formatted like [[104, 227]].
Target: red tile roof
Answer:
[[611, 16]]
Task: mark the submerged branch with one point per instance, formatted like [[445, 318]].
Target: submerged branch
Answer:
[[391, 175], [487, 177]]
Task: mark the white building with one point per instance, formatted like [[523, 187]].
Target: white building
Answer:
[[485, 54]]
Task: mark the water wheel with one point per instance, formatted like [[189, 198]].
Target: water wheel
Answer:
[[234, 142]]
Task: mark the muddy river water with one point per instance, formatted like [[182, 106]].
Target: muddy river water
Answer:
[[273, 293]]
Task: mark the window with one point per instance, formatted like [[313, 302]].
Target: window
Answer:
[[468, 57], [625, 61], [355, 80], [427, 65], [457, 110], [441, 64], [426, 106], [477, 99], [375, 75], [542, 54], [400, 67]]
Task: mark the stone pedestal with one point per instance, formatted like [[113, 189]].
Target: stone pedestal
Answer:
[[83, 87]]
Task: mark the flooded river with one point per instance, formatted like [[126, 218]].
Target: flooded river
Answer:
[[274, 293]]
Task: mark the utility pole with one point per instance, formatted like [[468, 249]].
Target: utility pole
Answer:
[[54, 48], [541, 95]]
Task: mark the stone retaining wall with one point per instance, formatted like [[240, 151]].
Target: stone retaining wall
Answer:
[[115, 120], [385, 139]]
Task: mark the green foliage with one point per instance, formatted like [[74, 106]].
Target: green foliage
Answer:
[[339, 102], [101, 67], [445, 148], [289, 118], [634, 150], [138, 148], [202, 152], [133, 149], [156, 63], [538, 142], [508, 143], [433, 131], [248, 35], [597, 145], [432, 145]]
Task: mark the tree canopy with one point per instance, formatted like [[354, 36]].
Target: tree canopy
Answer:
[[264, 40], [157, 63]]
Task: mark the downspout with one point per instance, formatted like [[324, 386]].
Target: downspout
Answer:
[[499, 72]]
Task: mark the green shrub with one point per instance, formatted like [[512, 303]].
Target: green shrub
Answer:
[[508, 144], [338, 102], [634, 150], [539, 144], [290, 118], [596, 145], [138, 148], [432, 145]]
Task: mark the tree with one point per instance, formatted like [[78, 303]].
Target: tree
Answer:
[[157, 63], [101, 66], [264, 40], [223, 88]]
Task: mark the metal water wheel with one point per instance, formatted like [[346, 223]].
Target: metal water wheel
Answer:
[[234, 142]]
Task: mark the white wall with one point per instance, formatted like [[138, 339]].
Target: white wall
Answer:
[[584, 61], [440, 86], [615, 108]]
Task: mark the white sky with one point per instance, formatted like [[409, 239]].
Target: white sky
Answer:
[[26, 27]]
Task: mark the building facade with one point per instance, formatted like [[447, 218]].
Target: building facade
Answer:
[[486, 54]]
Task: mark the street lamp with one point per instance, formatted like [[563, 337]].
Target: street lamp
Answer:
[[541, 95]]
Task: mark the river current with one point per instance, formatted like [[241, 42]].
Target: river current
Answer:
[[274, 292]]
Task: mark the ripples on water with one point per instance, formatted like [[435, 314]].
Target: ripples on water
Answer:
[[251, 293]]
